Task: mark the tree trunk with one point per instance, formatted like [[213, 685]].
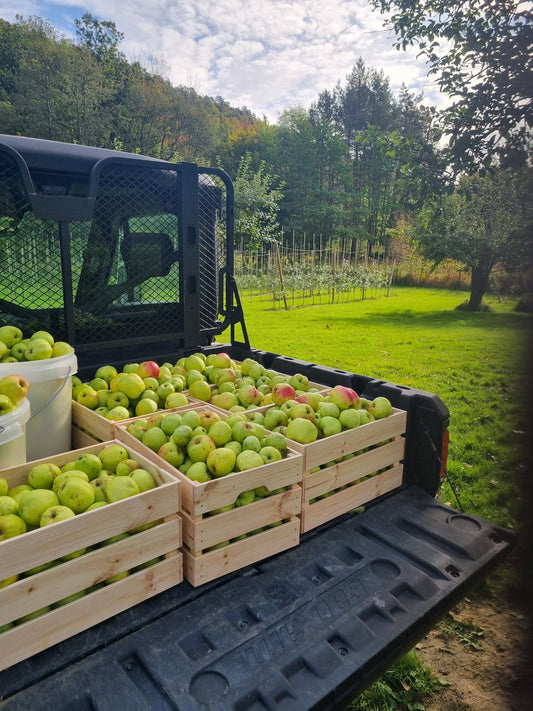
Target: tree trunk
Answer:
[[478, 287]]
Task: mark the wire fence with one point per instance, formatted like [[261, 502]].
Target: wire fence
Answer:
[[290, 274]]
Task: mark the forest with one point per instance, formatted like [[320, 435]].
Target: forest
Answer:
[[361, 169]]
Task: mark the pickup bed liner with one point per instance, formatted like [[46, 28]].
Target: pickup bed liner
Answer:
[[308, 629]]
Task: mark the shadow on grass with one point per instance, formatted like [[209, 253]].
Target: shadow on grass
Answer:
[[442, 319]]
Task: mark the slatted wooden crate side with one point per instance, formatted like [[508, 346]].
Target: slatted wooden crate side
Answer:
[[318, 512], [72, 576], [351, 470], [204, 567], [200, 533], [25, 640]]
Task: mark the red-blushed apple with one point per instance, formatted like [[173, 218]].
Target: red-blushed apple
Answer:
[[208, 418], [172, 454], [309, 398], [225, 375], [15, 387], [219, 360], [302, 430], [221, 461], [148, 369], [224, 400], [281, 392], [248, 395], [344, 397]]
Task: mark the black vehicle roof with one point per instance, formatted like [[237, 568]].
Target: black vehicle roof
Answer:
[[41, 154]]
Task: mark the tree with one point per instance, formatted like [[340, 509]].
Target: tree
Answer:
[[487, 220], [481, 52], [256, 204]]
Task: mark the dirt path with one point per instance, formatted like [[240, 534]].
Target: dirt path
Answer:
[[482, 651]]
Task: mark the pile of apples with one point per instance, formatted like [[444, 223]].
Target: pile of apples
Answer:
[[203, 445], [53, 493], [310, 416], [41, 345], [13, 390], [139, 389]]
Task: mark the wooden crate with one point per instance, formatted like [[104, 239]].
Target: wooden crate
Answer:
[[203, 529], [162, 539], [374, 469], [89, 427]]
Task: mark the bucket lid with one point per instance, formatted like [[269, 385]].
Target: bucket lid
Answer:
[[37, 371], [12, 423]]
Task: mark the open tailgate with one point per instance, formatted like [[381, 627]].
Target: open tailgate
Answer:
[[307, 629]]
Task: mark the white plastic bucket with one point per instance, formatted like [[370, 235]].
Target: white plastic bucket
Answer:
[[13, 435], [48, 431]]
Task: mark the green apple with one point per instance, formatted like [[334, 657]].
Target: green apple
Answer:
[[88, 397], [130, 368], [15, 387], [269, 454], [120, 487], [197, 471], [116, 399], [18, 351], [41, 476], [154, 438], [126, 466], [38, 349], [170, 422], [16, 491], [11, 525], [350, 418], [380, 407], [95, 505], [244, 498], [277, 440], [191, 418], [99, 485], [199, 447], [118, 413], [42, 335], [248, 459], [54, 514], [89, 463], [223, 399], [33, 615], [221, 461], [8, 505], [61, 348], [75, 493], [4, 350], [181, 435], [220, 433], [329, 425], [33, 503], [304, 410], [302, 430], [132, 385], [107, 372], [69, 598], [326, 408], [365, 417], [146, 406], [111, 455], [4, 486], [60, 478], [74, 554], [5, 405], [242, 429], [138, 428], [144, 480], [251, 442], [200, 390], [98, 384], [10, 335]]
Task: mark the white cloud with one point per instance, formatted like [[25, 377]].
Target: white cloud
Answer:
[[267, 55]]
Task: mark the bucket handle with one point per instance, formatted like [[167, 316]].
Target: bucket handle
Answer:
[[34, 414]]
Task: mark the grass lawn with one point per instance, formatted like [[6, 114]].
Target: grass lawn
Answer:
[[478, 363]]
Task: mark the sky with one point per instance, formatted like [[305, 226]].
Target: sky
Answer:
[[265, 55]]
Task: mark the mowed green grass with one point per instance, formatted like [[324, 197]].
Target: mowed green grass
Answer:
[[475, 362]]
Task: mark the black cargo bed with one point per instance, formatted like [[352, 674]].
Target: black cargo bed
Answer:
[[307, 629]]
